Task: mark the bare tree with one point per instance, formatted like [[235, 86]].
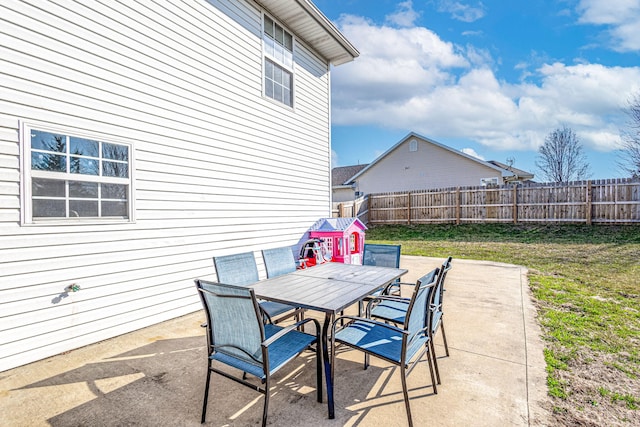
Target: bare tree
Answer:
[[561, 158], [630, 152]]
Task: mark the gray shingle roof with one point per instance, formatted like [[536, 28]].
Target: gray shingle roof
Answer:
[[342, 174]]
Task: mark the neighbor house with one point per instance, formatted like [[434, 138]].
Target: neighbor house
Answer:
[[139, 140], [343, 189], [419, 163]]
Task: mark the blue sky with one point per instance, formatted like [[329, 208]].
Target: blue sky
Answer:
[[492, 78]]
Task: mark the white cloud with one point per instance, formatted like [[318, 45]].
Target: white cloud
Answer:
[[622, 17], [462, 12], [471, 152], [404, 16], [394, 65], [410, 79]]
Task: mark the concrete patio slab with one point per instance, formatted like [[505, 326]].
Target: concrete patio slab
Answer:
[[494, 376]]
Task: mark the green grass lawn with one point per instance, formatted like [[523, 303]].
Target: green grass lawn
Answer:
[[586, 283]]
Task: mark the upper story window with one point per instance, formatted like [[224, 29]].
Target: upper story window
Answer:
[[71, 177], [413, 145], [278, 62]]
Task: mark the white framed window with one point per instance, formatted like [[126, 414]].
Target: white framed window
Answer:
[[69, 177], [278, 62], [413, 145]]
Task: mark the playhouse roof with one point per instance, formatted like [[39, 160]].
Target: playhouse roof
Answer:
[[336, 224]]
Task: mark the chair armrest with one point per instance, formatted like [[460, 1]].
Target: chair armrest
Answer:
[[284, 331], [365, 320], [378, 299]]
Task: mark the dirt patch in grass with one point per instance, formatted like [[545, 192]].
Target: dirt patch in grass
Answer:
[[598, 394]]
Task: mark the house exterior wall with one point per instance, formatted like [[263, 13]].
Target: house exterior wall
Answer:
[[428, 167], [343, 195], [218, 168]]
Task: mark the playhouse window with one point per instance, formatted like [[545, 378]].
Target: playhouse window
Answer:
[[69, 177], [353, 243]]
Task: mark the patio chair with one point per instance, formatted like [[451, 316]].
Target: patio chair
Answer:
[[383, 256], [279, 261], [238, 338], [438, 322], [241, 270], [392, 309], [402, 346]]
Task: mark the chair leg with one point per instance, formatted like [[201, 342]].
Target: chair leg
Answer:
[[444, 337], [433, 379], [206, 393], [265, 410], [319, 371], [405, 392], [434, 358]]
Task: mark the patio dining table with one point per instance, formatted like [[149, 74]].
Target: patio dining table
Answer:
[[329, 288]]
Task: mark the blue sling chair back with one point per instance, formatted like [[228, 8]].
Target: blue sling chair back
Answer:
[[237, 337], [402, 345], [279, 261], [393, 309], [241, 270]]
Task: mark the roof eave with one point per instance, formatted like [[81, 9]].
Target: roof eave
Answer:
[[305, 19]]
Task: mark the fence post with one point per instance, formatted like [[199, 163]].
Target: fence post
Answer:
[[409, 208], [589, 205], [515, 204], [458, 206]]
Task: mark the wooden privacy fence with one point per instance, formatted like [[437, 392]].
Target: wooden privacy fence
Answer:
[[611, 201], [356, 208]]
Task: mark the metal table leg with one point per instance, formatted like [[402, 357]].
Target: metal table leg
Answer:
[[328, 365]]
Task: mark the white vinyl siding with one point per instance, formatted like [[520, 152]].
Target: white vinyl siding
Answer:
[[218, 169]]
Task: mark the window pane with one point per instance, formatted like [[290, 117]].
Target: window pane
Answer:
[[277, 92], [48, 141], [114, 191], [48, 162], [288, 59], [288, 41], [49, 208], [287, 97], [114, 209], [83, 189], [277, 74], [120, 170], [279, 35], [83, 147], [268, 88], [268, 25], [83, 208], [268, 46], [286, 79], [47, 187], [115, 152], [278, 53], [84, 166], [268, 69]]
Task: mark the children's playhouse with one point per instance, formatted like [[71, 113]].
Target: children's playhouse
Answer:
[[341, 238]]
